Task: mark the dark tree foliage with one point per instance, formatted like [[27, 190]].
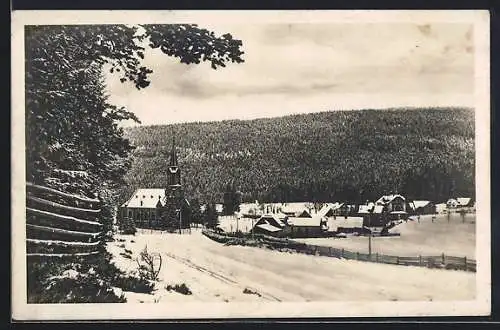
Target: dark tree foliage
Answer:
[[343, 155], [210, 217], [170, 218], [70, 125], [196, 216], [232, 200]]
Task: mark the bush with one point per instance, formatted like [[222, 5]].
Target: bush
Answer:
[[134, 284], [182, 289], [149, 264], [248, 291], [127, 226], [57, 282]]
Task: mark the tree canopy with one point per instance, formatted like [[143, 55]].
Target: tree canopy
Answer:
[[325, 157], [70, 123]]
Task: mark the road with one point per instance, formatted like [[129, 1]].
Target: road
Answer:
[[215, 272]]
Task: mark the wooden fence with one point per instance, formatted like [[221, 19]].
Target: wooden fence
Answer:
[[59, 224], [441, 261]]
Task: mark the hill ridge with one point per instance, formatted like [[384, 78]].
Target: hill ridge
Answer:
[[324, 156]]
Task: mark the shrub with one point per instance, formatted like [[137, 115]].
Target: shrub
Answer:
[[134, 284], [149, 264], [182, 289], [248, 291], [127, 226]]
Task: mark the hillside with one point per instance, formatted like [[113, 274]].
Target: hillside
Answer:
[[338, 155]]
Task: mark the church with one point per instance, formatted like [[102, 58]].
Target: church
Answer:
[[159, 208]]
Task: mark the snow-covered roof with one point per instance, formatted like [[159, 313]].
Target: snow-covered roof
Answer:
[[463, 201], [304, 222], [268, 227], [416, 204], [388, 198], [273, 217], [145, 198], [329, 207], [297, 207]]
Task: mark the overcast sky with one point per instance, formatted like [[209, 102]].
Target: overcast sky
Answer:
[[299, 68]]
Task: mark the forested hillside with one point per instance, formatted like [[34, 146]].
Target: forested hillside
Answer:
[[329, 156]]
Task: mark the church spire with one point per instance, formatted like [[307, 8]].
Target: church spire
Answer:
[[173, 154]]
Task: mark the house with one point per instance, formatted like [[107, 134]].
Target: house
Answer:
[[451, 203], [465, 202], [372, 215], [394, 205], [250, 210], [346, 225], [441, 208], [269, 224], [144, 207], [330, 210], [299, 209], [305, 227], [422, 207]]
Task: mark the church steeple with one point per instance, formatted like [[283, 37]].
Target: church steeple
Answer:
[[174, 172], [173, 154]]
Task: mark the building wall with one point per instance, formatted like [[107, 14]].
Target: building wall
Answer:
[[142, 217], [305, 231], [428, 209], [398, 204]]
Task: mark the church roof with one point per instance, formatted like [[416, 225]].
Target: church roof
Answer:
[[145, 198]]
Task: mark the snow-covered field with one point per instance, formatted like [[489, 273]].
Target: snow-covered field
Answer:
[[454, 238], [231, 224], [217, 273]]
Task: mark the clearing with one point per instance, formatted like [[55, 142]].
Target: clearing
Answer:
[[214, 272], [424, 237]]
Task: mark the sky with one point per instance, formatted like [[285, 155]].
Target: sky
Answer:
[[301, 68]]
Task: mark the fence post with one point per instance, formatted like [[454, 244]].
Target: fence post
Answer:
[[330, 252], [443, 259], [397, 260], [376, 257], [465, 263], [342, 252], [357, 255], [420, 260]]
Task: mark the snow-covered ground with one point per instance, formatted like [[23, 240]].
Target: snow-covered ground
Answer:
[[231, 224], [423, 237], [214, 272]]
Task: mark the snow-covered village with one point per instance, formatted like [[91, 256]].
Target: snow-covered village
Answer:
[[235, 163]]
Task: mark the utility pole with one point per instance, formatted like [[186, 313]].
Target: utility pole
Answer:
[[180, 219], [370, 244]]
